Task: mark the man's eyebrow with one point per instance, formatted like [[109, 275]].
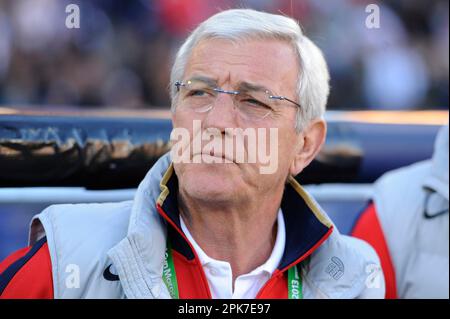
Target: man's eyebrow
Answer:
[[205, 79], [247, 86], [243, 86]]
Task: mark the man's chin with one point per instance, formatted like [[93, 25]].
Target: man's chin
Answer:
[[210, 181]]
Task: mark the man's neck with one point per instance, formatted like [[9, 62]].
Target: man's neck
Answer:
[[243, 237]]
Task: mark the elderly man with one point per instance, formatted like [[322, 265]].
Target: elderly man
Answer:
[[204, 224]]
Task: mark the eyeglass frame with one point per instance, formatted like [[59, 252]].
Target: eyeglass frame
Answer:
[[220, 90]]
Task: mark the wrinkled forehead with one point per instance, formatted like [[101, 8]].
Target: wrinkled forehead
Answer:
[[269, 63]]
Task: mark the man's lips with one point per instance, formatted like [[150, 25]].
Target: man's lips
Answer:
[[224, 157]]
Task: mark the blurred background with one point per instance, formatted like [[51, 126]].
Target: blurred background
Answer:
[[122, 53]]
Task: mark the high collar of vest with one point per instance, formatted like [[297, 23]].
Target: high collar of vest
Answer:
[[437, 180], [307, 227]]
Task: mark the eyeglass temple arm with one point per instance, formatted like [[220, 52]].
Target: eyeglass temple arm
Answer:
[[285, 99]]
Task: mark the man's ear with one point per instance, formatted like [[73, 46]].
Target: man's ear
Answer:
[[310, 142]]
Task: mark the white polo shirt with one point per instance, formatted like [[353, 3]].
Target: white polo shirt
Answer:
[[219, 273]]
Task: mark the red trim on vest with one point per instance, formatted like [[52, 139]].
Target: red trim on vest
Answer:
[[33, 280], [275, 287], [13, 257], [311, 250], [201, 277], [368, 228], [189, 278]]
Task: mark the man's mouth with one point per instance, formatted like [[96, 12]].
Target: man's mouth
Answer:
[[223, 158]]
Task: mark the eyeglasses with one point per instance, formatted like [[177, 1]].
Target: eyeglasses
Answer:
[[253, 102]]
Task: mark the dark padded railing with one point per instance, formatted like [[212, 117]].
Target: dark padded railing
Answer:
[[114, 149]]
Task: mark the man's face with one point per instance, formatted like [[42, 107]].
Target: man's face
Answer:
[[269, 63]]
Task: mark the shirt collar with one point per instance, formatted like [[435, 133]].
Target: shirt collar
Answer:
[[306, 225], [268, 267]]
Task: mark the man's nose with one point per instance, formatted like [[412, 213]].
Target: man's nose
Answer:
[[223, 114]]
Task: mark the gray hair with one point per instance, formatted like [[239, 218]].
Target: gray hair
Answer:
[[245, 24]]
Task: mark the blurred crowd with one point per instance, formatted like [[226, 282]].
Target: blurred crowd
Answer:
[[122, 53]]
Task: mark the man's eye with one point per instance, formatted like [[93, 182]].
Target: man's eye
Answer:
[[256, 103], [197, 93]]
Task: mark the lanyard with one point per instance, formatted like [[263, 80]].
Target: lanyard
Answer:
[[170, 278], [169, 275], [294, 284]]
